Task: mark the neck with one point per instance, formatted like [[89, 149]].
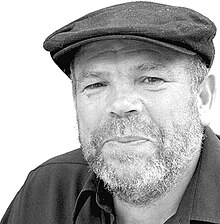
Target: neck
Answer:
[[160, 210]]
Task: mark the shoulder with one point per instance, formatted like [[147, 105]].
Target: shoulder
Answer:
[[51, 188], [68, 171], [69, 168], [72, 157]]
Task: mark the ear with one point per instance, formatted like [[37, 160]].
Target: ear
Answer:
[[205, 99]]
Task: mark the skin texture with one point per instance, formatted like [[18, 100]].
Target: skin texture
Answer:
[[140, 125]]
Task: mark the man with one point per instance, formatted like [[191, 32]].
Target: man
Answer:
[[142, 90]]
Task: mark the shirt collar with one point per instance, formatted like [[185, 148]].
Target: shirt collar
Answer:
[[201, 200]]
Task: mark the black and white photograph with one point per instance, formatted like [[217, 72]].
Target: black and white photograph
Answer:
[[110, 112]]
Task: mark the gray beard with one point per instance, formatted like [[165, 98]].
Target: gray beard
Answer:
[[137, 178]]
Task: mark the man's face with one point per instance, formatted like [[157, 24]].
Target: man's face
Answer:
[[138, 121]]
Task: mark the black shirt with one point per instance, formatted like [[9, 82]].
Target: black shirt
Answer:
[[64, 191]]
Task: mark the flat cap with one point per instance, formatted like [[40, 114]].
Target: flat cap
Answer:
[[178, 28]]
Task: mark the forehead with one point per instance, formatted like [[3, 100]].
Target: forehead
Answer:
[[114, 48], [122, 56]]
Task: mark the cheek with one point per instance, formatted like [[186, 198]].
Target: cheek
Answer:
[[170, 109], [89, 114]]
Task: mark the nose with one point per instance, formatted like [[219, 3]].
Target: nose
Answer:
[[124, 104]]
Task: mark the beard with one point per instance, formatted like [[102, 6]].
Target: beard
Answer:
[[134, 176]]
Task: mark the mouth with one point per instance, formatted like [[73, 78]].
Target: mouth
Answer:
[[132, 144], [128, 139]]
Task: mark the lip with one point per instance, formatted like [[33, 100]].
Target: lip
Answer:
[[127, 139]]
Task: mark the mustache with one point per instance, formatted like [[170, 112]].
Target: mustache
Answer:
[[133, 125]]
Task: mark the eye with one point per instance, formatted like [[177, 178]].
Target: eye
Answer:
[[96, 85], [153, 80]]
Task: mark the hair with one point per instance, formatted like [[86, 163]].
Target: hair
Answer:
[[73, 78], [198, 71], [196, 68]]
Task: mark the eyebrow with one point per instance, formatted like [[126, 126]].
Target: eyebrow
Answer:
[[91, 74], [148, 67]]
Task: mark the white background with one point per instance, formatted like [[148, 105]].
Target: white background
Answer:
[[37, 117]]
